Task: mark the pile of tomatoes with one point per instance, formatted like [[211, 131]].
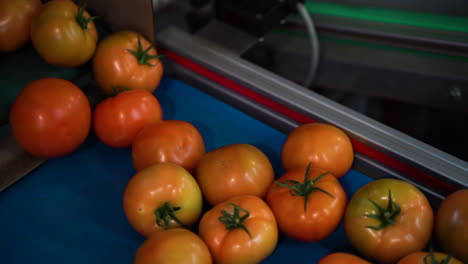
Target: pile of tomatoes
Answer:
[[223, 205]]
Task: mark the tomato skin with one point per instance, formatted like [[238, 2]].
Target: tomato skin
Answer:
[[115, 66], [236, 246], [323, 214], [15, 22], [117, 120], [410, 232], [342, 258], [418, 258], [173, 246], [174, 141], [326, 146], [451, 224], [59, 39], [153, 186], [51, 117], [233, 170]]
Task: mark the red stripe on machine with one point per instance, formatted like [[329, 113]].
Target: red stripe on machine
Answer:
[[296, 116]]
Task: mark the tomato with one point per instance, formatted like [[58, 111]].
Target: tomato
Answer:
[[162, 196], [451, 224], [233, 170], [64, 34], [342, 258], [174, 141], [428, 258], [15, 22], [117, 120], [326, 146], [127, 59], [50, 117], [387, 219], [308, 203], [173, 246], [240, 230]]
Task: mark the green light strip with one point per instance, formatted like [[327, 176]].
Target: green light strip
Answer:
[[372, 45], [427, 20]]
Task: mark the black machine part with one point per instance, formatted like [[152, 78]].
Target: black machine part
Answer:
[[255, 17]]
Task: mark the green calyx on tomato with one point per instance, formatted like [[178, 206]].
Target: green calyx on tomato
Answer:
[[81, 19], [234, 220], [142, 55], [386, 216], [165, 214], [304, 188]]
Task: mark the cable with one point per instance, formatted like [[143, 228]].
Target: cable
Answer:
[[314, 58]]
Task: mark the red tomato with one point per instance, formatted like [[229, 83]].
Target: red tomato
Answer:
[[117, 120], [127, 59], [451, 224], [308, 203], [428, 258], [326, 146], [387, 219], [173, 246], [239, 230], [234, 170], [64, 34], [15, 22], [342, 258], [51, 117], [174, 141], [160, 197]]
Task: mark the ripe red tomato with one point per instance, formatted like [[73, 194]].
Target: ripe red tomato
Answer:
[[127, 59], [428, 258], [64, 34], [326, 146], [160, 197], [232, 170], [240, 230], [15, 22], [174, 141], [387, 219], [173, 246], [308, 203], [117, 120], [451, 224], [50, 117], [342, 258]]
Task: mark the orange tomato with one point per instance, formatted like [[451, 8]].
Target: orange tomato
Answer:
[[173, 246], [240, 230], [451, 224], [15, 22], [117, 120], [388, 219], [50, 117], [63, 34], [127, 59], [326, 146], [160, 197], [342, 258], [308, 203], [233, 170], [174, 141], [428, 258]]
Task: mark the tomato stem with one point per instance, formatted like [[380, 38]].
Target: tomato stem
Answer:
[[142, 55], [165, 214], [234, 220], [81, 19], [386, 216], [304, 188], [430, 258]]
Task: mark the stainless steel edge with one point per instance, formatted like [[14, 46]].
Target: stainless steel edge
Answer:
[[361, 128]]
